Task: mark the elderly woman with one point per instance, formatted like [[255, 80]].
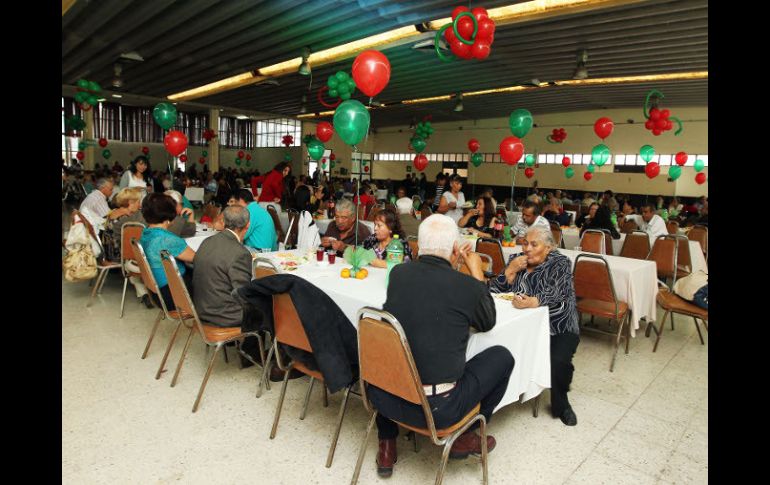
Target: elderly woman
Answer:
[[481, 220], [341, 233], [128, 201], [386, 224], [541, 276], [184, 222], [159, 210]]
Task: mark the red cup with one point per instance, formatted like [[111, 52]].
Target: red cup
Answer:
[[319, 254], [332, 256]]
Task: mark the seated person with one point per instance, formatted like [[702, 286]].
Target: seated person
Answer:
[[129, 201], [95, 206], [585, 218], [601, 221], [341, 233], [481, 220], [541, 276], [418, 292], [555, 212], [159, 210], [261, 235], [406, 217], [530, 216], [649, 222], [184, 222], [386, 224]]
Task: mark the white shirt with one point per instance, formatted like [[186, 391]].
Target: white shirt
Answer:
[[521, 227], [656, 227], [457, 213], [95, 203]]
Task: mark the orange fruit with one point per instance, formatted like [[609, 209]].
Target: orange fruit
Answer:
[[362, 273], [345, 273]]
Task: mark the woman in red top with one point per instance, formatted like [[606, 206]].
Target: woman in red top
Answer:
[[367, 199], [272, 185]]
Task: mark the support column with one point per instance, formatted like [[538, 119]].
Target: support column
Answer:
[[213, 148], [88, 134]]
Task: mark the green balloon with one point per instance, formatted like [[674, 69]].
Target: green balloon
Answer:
[[569, 173], [351, 121], [316, 149], [341, 76], [332, 164], [600, 154], [332, 82], [81, 96], [287, 157], [92, 100], [165, 115], [248, 163], [674, 172], [591, 167], [205, 153], [529, 160], [351, 85], [82, 84], [82, 145], [418, 144], [647, 152], [345, 96], [238, 161], [476, 159], [334, 93], [106, 153], [94, 86], [699, 165], [343, 88], [520, 122]]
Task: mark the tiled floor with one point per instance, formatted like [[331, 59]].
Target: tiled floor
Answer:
[[646, 422]]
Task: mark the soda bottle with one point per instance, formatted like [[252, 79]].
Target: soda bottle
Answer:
[[394, 254], [614, 219]]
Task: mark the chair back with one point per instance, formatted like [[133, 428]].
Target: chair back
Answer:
[[412, 240], [486, 265], [664, 253], [683, 261], [593, 241], [700, 234], [90, 229], [607, 242], [178, 289], [494, 249], [211, 210], [128, 231], [144, 269], [288, 326], [557, 234], [425, 211], [629, 226], [593, 279], [276, 221], [292, 233], [572, 207], [385, 361], [636, 245], [372, 214], [672, 227], [262, 267]]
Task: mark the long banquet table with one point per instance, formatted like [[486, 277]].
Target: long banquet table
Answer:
[[525, 333]]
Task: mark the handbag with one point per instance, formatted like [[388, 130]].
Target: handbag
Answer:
[[80, 264], [689, 285]]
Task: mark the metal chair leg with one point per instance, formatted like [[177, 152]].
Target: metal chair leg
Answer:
[[104, 279], [336, 436], [123, 298], [706, 324], [96, 287], [227, 361], [181, 357], [484, 450], [672, 320], [617, 344], [362, 451], [326, 397], [265, 370], [413, 436], [206, 377], [280, 402], [660, 331], [152, 334], [698, 328], [628, 330], [307, 398], [536, 406], [162, 366]]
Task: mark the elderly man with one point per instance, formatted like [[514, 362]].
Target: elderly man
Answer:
[[184, 222], [555, 212], [261, 235], [409, 222], [530, 216], [340, 233], [649, 222], [417, 294], [95, 206]]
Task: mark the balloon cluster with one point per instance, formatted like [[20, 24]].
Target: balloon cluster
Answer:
[[652, 169], [558, 135], [569, 172], [341, 85], [659, 120], [473, 146], [424, 130], [209, 134], [471, 34], [287, 140], [202, 159], [512, 148], [529, 161], [75, 123], [87, 94]]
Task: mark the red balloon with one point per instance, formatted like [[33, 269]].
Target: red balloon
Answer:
[[145, 150], [465, 28], [486, 29], [332, 157], [241, 154], [183, 158], [603, 127], [324, 131], [202, 160], [248, 156], [649, 124], [102, 142], [366, 169], [652, 170], [175, 142], [566, 161], [450, 36], [588, 175], [654, 114], [80, 155], [371, 72], [480, 13], [420, 162], [481, 49], [661, 124], [681, 158], [656, 131], [463, 51], [529, 172], [665, 113], [669, 124], [511, 150], [473, 145], [700, 178], [458, 10]]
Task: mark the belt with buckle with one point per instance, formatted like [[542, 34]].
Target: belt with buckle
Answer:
[[435, 389]]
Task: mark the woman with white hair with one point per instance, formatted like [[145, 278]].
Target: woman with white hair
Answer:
[[541, 276]]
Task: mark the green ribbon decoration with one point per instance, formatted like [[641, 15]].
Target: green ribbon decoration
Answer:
[[475, 28], [678, 122], [647, 102]]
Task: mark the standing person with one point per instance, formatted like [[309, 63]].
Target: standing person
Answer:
[[272, 185], [453, 199], [440, 187], [422, 186], [135, 176]]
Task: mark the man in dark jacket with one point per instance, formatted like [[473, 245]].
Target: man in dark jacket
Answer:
[[436, 306]]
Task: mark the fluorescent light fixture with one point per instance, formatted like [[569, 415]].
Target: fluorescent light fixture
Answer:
[[680, 76], [117, 95], [242, 117], [218, 86], [427, 100]]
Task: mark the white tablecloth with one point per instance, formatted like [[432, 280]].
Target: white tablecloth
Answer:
[[382, 194], [525, 333], [202, 232]]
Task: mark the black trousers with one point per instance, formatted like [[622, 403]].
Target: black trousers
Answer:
[[485, 379], [165, 291], [563, 347]]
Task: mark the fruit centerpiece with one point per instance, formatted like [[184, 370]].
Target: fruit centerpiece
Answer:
[[358, 258]]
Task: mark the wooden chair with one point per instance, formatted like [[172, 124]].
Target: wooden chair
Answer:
[[494, 249], [292, 233], [385, 361], [486, 265], [211, 335], [412, 240], [701, 234], [636, 245], [262, 267], [289, 331], [557, 234], [593, 241], [595, 293], [211, 210], [128, 231], [672, 227], [102, 263], [629, 226], [276, 221], [672, 303]]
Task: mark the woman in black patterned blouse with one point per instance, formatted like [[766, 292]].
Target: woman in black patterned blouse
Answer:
[[386, 225], [541, 276]]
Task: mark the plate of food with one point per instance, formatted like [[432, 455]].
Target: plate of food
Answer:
[[467, 205], [504, 296]]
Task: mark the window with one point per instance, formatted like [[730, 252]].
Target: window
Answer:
[[620, 159], [107, 121], [69, 144], [705, 159], [577, 159], [665, 160], [549, 159], [270, 133], [235, 133], [361, 165]]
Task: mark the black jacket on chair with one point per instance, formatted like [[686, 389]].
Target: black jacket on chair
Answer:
[[331, 335]]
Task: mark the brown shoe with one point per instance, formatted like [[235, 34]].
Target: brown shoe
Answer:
[[469, 443], [276, 374], [386, 457]]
